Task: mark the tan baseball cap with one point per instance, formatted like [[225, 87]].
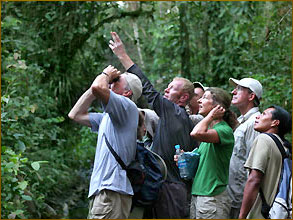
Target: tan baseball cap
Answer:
[[134, 84]]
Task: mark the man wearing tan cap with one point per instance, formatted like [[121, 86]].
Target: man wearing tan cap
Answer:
[[173, 128], [246, 97], [117, 124]]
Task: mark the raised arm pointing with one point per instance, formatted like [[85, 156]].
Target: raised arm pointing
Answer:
[[118, 49]]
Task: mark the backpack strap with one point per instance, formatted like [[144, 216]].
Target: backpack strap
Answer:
[[122, 164], [279, 145], [265, 209]]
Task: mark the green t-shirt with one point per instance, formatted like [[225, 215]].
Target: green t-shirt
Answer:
[[213, 170]]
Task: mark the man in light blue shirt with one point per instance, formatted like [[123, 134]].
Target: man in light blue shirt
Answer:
[[110, 190]]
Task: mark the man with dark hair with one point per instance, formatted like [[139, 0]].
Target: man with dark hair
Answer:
[[173, 128], [246, 96], [193, 106], [265, 161]]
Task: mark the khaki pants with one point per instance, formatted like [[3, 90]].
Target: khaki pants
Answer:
[[210, 207], [109, 205]]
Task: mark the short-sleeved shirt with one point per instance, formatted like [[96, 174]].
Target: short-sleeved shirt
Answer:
[[212, 175], [174, 126], [244, 136], [265, 157], [119, 123]]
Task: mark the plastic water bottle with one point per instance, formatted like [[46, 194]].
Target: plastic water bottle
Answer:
[[182, 165]]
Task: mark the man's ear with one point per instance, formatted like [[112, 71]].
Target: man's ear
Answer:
[[127, 93], [275, 123], [184, 97], [251, 96]]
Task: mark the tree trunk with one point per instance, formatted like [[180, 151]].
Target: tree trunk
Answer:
[[133, 6], [184, 41]]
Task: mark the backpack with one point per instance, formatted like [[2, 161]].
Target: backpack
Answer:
[[282, 204], [146, 174]]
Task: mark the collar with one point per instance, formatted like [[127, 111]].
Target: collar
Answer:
[[243, 118]]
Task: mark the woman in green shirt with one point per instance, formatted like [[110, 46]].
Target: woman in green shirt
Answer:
[[215, 132]]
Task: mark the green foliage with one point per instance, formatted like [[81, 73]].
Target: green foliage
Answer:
[[13, 196], [31, 130], [52, 51]]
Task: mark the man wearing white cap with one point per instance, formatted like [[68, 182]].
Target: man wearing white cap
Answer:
[[246, 97], [110, 190]]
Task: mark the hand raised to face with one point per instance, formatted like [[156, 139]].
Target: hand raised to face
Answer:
[[112, 72], [217, 112]]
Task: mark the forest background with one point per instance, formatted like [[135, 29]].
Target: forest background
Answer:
[[52, 51]]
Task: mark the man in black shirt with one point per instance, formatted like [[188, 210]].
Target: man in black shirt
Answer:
[[174, 128]]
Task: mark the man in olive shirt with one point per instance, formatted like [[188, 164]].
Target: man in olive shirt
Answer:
[[264, 162]]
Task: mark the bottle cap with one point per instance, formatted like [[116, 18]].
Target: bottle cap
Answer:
[[177, 146]]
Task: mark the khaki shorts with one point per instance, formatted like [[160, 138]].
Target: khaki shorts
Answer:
[[210, 207], [109, 205]]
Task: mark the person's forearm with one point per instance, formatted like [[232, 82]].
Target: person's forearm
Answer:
[[148, 89], [100, 88], [201, 127], [249, 196], [125, 60], [79, 112]]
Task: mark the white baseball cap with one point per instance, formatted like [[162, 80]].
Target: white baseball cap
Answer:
[[253, 84], [134, 84], [198, 84]]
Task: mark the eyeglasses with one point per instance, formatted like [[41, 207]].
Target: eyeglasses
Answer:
[[239, 88]]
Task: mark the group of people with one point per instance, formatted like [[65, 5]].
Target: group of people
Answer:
[[194, 117]]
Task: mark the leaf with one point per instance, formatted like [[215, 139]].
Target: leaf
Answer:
[[14, 180], [28, 198], [3, 115], [23, 160], [4, 99], [18, 212], [21, 146], [33, 108], [35, 165], [18, 135], [9, 165], [22, 185]]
